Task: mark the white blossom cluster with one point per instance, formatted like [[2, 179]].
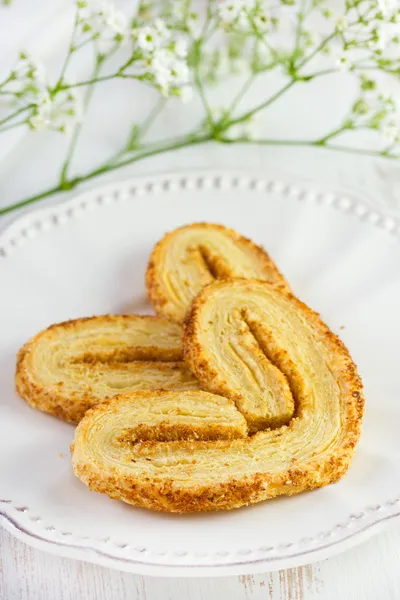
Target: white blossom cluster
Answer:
[[27, 87], [59, 112], [249, 36], [244, 15], [376, 111], [102, 22], [159, 58], [162, 59]]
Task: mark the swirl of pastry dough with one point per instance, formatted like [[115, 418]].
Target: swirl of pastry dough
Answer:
[[191, 471], [190, 257], [70, 367]]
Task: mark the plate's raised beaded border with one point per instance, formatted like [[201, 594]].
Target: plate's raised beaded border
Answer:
[[106, 546], [46, 220], [29, 227]]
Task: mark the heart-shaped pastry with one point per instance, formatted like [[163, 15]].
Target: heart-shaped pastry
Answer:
[[265, 354]]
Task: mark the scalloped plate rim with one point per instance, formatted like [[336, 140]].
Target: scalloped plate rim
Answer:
[[92, 555]]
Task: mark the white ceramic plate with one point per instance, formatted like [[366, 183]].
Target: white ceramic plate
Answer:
[[88, 256]]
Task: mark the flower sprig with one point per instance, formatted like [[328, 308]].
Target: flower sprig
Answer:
[[180, 50]]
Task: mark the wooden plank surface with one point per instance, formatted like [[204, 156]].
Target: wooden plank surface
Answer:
[[369, 572]]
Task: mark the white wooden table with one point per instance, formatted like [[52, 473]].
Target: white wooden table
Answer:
[[368, 572], [30, 162]]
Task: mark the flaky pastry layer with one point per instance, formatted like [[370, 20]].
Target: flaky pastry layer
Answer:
[[70, 367]]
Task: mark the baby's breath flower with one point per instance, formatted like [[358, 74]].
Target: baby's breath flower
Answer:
[[168, 70], [162, 59], [59, 113], [342, 24], [387, 6], [151, 37], [343, 62], [162, 30], [260, 22], [147, 39], [176, 9], [244, 15], [376, 111], [181, 47], [230, 11], [102, 22], [26, 80]]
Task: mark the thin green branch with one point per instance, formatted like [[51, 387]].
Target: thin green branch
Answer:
[[317, 74], [183, 142], [311, 143], [247, 115], [152, 151], [197, 79], [299, 29], [15, 114], [186, 141], [318, 49], [82, 44], [94, 80], [277, 95], [267, 142], [263, 38], [153, 114], [71, 50], [138, 133], [78, 126], [322, 141], [243, 90], [31, 200], [88, 81], [13, 125]]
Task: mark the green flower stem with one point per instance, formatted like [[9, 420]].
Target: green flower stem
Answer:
[[78, 126], [312, 143], [263, 39], [243, 90], [299, 30], [363, 151], [13, 125], [70, 184], [247, 115], [266, 142], [14, 114], [82, 44], [316, 74], [318, 49], [277, 95], [94, 80], [197, 47], [332, 134], [153, 114], [70, 52], [30, 200], [88, 81], [132, 144], [184, 142]]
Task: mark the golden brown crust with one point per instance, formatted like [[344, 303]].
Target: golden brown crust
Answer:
[[313, 450], [188, 258], [71, 366]]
